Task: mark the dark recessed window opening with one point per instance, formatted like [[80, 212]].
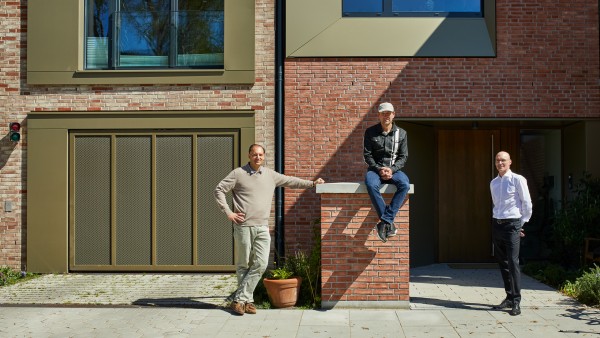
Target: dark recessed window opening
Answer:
[[412, 8]]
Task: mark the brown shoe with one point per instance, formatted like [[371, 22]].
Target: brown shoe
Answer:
[[250, 308], [237, 307]]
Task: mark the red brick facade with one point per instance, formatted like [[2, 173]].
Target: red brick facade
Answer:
[[547, 66], [356, 266]]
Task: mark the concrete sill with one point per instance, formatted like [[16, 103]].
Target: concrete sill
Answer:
[[354, 188]]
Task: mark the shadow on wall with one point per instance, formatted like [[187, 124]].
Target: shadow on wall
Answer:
[[329, 132], [344, 275], [328, 121], [6, 149], [17, 196], [341, 149]]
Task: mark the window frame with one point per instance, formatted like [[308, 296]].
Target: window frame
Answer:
[[55, 47]]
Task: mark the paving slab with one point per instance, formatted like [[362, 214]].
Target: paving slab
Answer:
[[445, 302], [192, 290]]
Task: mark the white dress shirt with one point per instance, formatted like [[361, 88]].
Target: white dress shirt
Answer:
[[511, 198]]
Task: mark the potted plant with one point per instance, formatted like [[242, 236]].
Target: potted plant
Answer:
[[282, 287]]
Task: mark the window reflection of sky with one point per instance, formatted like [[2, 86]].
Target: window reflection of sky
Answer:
[[375, 6], [138, 36], [149, 34], [369, 6]]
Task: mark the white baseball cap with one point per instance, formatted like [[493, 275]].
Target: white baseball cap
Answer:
[[386, 106]]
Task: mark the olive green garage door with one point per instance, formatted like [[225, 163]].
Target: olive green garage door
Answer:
[[143, 201]]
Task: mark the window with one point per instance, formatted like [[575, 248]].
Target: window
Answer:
[[142, 34], [412, 8]]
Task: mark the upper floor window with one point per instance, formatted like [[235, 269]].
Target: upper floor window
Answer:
[[412, 8], [154, 34]]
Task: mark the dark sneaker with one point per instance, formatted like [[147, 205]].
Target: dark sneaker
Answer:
[[381, 231], [238, 308], [506, 303], [391, 232], [516, 309], [250, 308]]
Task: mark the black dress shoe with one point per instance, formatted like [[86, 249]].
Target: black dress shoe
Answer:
[[506, 303], [381, 230], [516, 309]]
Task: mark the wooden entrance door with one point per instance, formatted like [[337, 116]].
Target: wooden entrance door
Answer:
[[465, 166]]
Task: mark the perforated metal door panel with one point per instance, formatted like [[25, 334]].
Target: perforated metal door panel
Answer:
[[143, 201]]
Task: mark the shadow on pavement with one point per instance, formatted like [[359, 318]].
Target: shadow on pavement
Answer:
[[448, 303], [179, 302], [590, 315]]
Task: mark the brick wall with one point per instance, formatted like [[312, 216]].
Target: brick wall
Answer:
[[12, 155], [356, 265], [17, 98], [547, 66]]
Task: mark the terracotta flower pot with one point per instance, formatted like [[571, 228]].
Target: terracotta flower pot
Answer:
[[283, 292]]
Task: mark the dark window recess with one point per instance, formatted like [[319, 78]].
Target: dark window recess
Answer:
[[412, 8]]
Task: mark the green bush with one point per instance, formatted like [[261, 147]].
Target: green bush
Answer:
[[9, 276], [586, 288], [551, 274], [586, 285], [308, 267], [281, 273], [578, 218]]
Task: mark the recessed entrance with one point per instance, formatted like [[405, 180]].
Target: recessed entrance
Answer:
[[451, 163]]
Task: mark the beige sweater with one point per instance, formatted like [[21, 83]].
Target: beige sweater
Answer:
[[253, 192]]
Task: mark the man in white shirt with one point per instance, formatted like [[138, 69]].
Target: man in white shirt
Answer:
[[512, 209]]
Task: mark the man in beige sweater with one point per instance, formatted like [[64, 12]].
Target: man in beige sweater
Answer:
[[252, 187]]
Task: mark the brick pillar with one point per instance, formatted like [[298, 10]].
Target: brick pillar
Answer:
[[358, 270]]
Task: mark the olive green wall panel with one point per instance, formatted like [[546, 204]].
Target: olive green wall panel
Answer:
[[55, 34], [316, 28], [47, 197], [48, 172]]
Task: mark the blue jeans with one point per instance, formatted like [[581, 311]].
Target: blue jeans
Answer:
[[373, 181]]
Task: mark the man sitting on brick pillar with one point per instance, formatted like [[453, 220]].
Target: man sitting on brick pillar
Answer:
[[385, 152]]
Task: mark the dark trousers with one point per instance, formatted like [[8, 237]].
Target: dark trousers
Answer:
[[506, 239]]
